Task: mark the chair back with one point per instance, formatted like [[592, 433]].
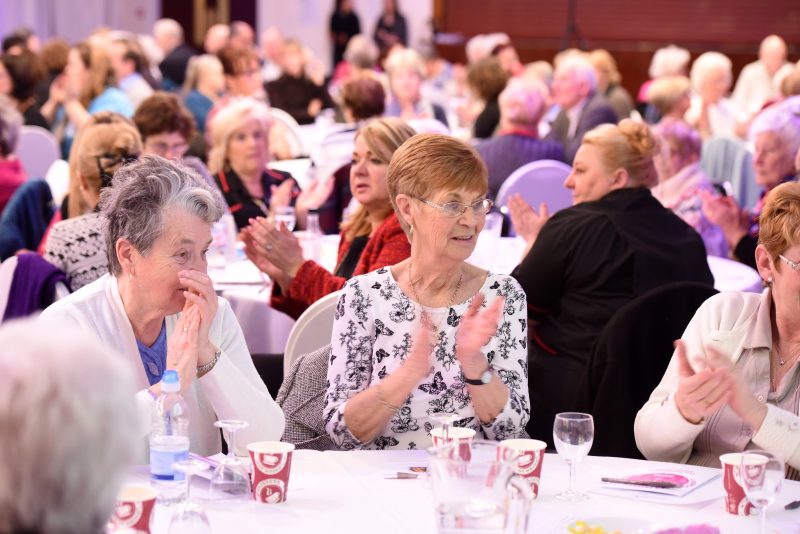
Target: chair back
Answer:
[[311, 331], [629, 359], [7, 269], [290, 129], [724, 158], [537, 182], [37, 149], [57, 177]]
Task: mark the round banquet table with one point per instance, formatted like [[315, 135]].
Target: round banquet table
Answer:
[[348, 492]]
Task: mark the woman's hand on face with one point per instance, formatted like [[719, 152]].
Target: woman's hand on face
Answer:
[[527, 221], [58, 92], [280, 246], [725, 213], [200, 292], [702, 393], [475, 331], [182, 349]]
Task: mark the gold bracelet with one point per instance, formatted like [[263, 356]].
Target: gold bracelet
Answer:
[[383, 402]]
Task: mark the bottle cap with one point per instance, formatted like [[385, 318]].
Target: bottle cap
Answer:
[[170, 382]]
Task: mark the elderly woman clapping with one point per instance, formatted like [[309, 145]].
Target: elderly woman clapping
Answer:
[[158, 308], [431, 334], [733, 381], [776, 132]]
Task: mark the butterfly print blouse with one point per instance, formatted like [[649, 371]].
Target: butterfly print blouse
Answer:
[[373, 332]]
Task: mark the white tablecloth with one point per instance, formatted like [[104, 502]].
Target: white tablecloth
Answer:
[[266, 330], [346, 492]]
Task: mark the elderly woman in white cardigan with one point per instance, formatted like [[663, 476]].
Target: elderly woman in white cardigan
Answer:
[[734, 380], [157, 305]]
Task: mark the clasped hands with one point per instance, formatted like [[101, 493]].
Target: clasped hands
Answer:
[[702, 393], [189, 345]]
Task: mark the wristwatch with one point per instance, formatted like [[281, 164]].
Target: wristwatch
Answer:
[[485, 378]]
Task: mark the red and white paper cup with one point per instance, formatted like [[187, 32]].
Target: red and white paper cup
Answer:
[[736, 502], [272, 463], [530, 456], [134, 510], [463, 436]]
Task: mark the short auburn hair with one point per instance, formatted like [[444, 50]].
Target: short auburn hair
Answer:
[[364, 96], [779, 222], [163, 113], [428, 163]]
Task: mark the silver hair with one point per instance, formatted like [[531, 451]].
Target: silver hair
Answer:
[[705, 64], [133, 208], [406, 58], [168, 27], [10, 124], [68, 428], [580, 66], [361, 51], [669, 61], [522, 102], [783, 120]]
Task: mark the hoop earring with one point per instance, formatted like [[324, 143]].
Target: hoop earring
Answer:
[[410, 231]]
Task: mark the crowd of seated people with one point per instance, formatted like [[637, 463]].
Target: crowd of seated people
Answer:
[[409, 154]]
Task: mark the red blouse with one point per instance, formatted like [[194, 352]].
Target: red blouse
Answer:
[[387, 246]]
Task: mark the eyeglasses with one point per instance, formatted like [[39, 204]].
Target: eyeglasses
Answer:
[[457, 209], [794, 265]]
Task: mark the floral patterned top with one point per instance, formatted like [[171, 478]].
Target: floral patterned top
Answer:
[[373, 332]]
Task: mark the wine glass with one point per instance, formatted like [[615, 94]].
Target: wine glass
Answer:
[[573, 434], [189, 517], [230, 476], [762, 473], [445, 420], [286, 214]]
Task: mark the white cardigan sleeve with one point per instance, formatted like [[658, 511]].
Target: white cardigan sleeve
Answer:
[[233, 387]]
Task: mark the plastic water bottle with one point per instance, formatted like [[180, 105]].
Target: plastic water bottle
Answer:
[[313, 236], [169, 440]]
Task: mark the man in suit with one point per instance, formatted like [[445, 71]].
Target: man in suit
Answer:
[[169, 36], [582, 108], [517, 143]]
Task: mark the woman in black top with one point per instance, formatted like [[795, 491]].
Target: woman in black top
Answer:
[[614, 244], [486, 80], [294, 92], [344, 25], [391, 28], [238, 161]]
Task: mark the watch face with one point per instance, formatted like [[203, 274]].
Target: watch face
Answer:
[[486, 376]]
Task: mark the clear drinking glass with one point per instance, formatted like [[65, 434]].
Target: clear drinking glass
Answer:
[[286, 214], [230, 477], [573, 434], [189, 517], [762, 474], [445, 420]]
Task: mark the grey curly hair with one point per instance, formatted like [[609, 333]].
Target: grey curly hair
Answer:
[[134, 207]]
